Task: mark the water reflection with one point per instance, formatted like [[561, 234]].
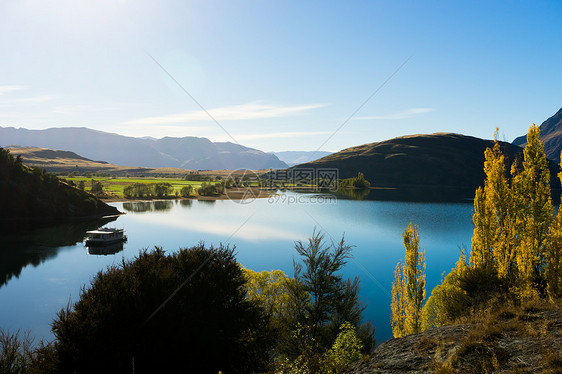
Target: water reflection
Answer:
[[38, 245], [412, 194], [186, 203], [148, 206], [106, 250], [354, 194], [207, 202]]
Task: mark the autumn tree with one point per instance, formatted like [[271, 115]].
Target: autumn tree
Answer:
[[553, 271], [553, 256], [493, 241], [398, 304], [535, 218], [448, 301], [408, 290]]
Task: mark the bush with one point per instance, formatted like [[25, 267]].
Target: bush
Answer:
[[357, 182], [210, 189], [97, 187], [19, 355], [165, 313], [186, 191]]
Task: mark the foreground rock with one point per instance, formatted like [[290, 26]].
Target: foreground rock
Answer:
[[528, 340]]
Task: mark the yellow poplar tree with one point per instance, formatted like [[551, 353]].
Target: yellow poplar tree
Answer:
[[481, 254], [493, 242], [554, 260], [535, 219], [398, 304], [554, 255], [414, 273], [408, 289]]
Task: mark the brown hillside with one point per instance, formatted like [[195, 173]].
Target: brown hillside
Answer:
[[434, 160], [551, 135]]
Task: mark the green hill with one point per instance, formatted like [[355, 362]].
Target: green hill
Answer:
[[30, 195], [436, 161]]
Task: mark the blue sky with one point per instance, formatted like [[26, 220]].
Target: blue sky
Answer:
[[281, 75]]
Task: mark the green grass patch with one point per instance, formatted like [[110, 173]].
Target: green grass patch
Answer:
[[115, 186]]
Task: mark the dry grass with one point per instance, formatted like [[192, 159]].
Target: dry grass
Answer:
[[507, 338]]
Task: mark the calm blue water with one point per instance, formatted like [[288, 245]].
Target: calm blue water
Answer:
[[42, 270]]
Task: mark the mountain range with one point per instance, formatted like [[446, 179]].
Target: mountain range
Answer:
[[187, 153], [292, 158], [551, 135]]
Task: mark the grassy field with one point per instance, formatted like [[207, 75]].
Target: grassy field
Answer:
[[115, 186]]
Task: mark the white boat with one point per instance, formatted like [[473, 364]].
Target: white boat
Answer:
[[105, 236]]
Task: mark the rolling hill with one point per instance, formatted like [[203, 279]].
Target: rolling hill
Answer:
[[441, 160], [551, 135], [30, 196], [66, 162], [186, 153]]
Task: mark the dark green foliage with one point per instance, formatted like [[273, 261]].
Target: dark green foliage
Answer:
[[207, 326], [32, 195], [323, 300], [18, 355], [145, 190], [356, 182], [97, 187], [210, 189], [137, 190], [162, 189], [187, 191], [197, 177], [481, 286]]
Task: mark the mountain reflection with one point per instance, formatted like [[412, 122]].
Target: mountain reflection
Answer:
[[38, 245]]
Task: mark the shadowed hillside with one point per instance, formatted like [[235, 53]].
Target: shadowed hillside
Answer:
[[551, 135], [30, 195], [441, 160]]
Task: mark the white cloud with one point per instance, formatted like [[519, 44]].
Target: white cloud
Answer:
[[4, 89], [165, 130], [28, 100], [408, 113], [250, 231], [253, 110]]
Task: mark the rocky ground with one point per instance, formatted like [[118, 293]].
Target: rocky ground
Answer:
[[514, 340]]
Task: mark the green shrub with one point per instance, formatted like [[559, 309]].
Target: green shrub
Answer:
[[186, 191], [187, 311], [210, 189]]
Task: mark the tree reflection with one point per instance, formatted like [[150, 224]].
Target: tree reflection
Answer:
[[148, 206], [38, 245]]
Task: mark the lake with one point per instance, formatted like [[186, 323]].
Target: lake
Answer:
[[42, 270]]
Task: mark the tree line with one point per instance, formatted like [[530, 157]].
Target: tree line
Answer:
[[516, 250]]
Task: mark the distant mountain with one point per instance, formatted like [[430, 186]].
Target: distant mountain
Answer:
[[438, 160], [292, 158], [551, 135], [31, 196], [188, 152]]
